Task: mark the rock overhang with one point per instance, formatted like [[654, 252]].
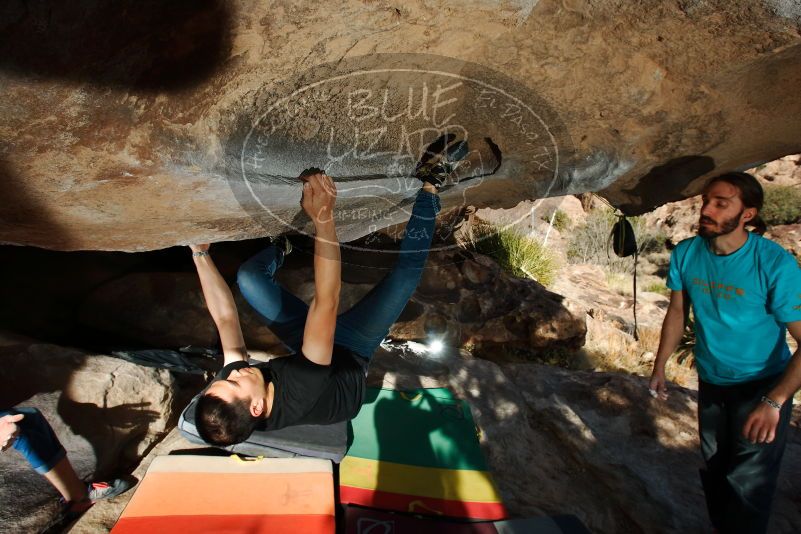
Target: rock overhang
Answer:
[[639, 103]]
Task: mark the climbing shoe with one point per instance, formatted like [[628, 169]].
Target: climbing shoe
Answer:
[[438, 168], [434, 149], [95, 491], [282, 243], [106, 490]]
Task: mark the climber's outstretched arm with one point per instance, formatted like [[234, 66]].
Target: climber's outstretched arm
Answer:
[[220, 303]]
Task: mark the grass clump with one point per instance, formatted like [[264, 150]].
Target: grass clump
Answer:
[[782, 205], [561, 220], [658, 287], [519, 255]]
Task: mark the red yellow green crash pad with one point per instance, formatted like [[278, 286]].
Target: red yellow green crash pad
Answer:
[[417, 451], [186, 493]]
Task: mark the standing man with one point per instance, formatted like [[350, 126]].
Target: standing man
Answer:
[[745, 292]]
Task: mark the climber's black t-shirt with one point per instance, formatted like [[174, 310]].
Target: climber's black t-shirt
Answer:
[[310, 394]]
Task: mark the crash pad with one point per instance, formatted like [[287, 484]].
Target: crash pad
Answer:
[[188, 493], [360, 520], [417, 451]]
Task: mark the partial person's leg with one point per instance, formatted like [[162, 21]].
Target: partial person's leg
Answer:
[[753, 467], [283, 312], [40, 446], [713, 429], [366, 324], [66, 481]]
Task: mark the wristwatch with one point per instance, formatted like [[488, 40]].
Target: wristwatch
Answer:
[[200, 253]]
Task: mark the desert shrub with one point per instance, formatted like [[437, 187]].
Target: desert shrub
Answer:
[[518, 255], [589, 243], [782, 205], [685, 352], [561, 220], [658, 287]]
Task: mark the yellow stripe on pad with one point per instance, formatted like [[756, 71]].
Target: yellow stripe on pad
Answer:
[[449, 484], [227, 464]]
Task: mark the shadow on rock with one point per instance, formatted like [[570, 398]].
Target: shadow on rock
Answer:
[[83, 419], [139, 44]]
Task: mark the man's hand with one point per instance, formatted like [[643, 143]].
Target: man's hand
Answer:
[[760, 427], [9, 430], [669, 337], [319, 196], [200, 248], [658, 384]]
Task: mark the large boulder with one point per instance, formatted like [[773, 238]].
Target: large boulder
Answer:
[[463, 299], [165, 310], [141, 125], [678, 220], [107, 413], [467, 300]]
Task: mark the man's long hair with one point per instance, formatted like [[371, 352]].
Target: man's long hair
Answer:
[[750, 193], [223, 423]]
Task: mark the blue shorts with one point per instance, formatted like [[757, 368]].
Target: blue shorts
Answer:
[[36, 440]]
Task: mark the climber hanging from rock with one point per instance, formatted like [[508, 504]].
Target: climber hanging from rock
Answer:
[[324, 380]]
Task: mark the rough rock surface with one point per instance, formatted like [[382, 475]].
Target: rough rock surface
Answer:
[[532, 218], [586, 286], [610, 342], [783, 171], [592, 444], [678, 220], [491, 310], [165, 310], [788, 236], [463, 298], [108, 149], [106, 412]]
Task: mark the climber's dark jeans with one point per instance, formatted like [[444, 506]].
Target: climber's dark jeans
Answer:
[[740, 477], [363, 327]]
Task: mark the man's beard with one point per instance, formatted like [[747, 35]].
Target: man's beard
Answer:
[[725, 227]]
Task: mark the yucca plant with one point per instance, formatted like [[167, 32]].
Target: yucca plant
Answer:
[[517, 254], [686, 348]]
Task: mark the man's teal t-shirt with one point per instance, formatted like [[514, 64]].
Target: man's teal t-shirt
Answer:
[[742, 302]]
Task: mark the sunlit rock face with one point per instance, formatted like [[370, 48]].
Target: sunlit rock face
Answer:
[[142, 125]]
